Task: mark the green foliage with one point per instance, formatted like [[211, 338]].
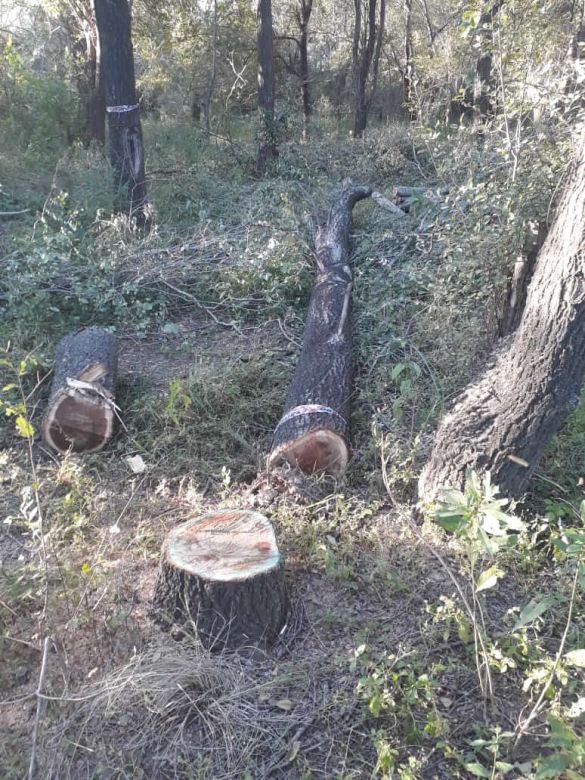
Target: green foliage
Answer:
[[40, 112]]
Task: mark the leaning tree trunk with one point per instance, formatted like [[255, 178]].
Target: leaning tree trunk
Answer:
[[124, 129], [267, 146], [222, 574], [361, 64], [81, 412], [313, 431], [504, 420]]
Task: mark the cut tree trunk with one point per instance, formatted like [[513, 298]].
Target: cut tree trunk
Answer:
[[222, 574], [313, 431], [81, 412], [504, 420]]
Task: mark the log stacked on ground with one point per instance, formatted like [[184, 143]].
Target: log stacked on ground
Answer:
[[313, 431], [81, 412], [223, 575]]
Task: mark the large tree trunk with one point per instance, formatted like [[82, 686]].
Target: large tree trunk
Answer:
[[125, 132], [81, 412], [267, 147], [222, 574], [504, 420], [313, 431]]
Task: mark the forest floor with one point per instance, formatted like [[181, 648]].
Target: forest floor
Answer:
[[376, 672]]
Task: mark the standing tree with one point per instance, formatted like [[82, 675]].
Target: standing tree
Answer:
[[124, 130], [409, 76], [367, 46], [78, 19], [504, 420], [267, 146], [484, 104], [303, 14]]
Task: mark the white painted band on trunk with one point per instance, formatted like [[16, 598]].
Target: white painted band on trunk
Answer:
[[121, 109], [307, 409]]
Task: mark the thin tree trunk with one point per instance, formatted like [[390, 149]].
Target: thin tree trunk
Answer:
[[504, 420], [206, 103], [362, 65], [303, 18], [484, 101], [267, 146], [124, 129], [409, 74]]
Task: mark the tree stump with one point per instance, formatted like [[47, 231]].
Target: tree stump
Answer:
[[313, 431], [223, 574], [81, 412]]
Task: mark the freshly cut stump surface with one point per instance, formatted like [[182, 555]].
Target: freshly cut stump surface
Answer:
[[223, 575], [81, 411]]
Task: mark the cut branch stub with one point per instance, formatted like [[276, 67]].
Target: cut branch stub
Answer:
[[313, 431], [223, 574], [81, 412]]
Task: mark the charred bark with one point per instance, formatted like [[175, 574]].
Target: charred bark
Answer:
[[124, 129], [223, 576], [267, 150], [313, 431], [81, 412], [504, 420]]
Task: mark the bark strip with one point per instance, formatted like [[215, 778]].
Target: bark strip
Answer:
[[313, 431]]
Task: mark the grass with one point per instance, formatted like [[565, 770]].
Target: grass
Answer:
[[376, 673]]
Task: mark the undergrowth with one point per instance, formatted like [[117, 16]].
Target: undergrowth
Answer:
[[412, 653]]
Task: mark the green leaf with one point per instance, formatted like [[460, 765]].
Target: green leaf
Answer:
[[576, 658], [504, 767], [24, 428], [552, 766], [448, 521], [535, 608], [488, 578], [561, 735], [397, 370], [477, 770]]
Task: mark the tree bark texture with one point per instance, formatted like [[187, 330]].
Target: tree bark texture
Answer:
[[267, 147], [81, 413], [124, 129], [313, 431], [503, 421], [223, 576]]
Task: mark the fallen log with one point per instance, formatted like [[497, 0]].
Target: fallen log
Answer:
[[313, 432], [81, 411], [223, 575]]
